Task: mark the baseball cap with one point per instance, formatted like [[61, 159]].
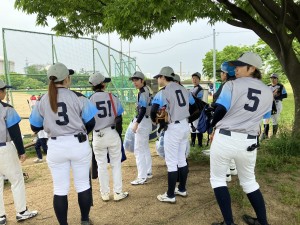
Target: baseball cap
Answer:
[[274, 75], [177, 78], [197, 74], [226, 68], [138, 75], [60, 71], [166, 71], [3, 85], [246, 59], [98, 78]]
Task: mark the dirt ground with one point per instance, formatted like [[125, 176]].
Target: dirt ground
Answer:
[[142, 206]]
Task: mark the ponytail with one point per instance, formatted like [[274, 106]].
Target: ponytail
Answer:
[[52, 92]]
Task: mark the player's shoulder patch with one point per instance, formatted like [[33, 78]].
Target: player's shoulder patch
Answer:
[[5, 104], [78, 94]]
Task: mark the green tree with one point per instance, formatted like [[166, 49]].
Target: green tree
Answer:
[[228, 53], [275, 22]]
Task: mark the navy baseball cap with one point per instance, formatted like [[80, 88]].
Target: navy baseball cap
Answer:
[[226, 68], [3, 85]]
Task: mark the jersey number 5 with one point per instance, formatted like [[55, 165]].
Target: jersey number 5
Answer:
[[63, 114], [101, 107], [253, 98]]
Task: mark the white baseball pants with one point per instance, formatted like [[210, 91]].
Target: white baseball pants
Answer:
[[141, 147], [67, 153], [275, 117], [11, 168], [175, 144], [110, 143], [223, 149]]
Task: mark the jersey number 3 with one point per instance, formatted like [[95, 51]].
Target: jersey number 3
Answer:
[[63, 114], [252, 95]]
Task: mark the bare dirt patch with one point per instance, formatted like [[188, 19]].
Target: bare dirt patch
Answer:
[[142, 207]]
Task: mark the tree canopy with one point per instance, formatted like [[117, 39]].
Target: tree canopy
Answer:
[[276, 22]]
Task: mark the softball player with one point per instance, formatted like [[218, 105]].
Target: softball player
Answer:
[[279, 93], [176, 99], [240, 107], [197, 91], [103, 134], [9, 159], [141, 125], [67, 117], [227, 72]]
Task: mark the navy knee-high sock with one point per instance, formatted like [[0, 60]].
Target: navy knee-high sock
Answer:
[[257, 201], [60, 204], [183, 173], [85, 202], [172, 178], [224, 201]]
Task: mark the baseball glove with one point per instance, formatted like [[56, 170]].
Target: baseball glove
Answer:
[[162, 119]]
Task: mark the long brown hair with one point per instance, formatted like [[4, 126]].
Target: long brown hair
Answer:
[[52, 92]]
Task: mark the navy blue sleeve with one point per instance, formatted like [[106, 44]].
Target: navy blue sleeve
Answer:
[[219, 113], [15, 135], [89, 126], [154, 109]]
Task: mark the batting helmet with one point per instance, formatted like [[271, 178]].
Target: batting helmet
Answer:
[[226, 68]]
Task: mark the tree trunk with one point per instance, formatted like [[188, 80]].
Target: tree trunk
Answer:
[[291, 66]]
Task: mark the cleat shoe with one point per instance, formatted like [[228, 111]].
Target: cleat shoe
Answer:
[[105, 197], [37, 160], [180, 193], [222, 223], [149, 175], [233, 172], [164, 198], [228, 177], [120, 196], [3, 220], [89, 222], [139, 181], [26, 215], [250, 220]]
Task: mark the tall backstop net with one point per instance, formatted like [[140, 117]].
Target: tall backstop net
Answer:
[[27, 55]]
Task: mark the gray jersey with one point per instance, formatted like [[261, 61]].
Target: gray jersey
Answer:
[[8, 118], [247, 100], [176, 99], [105, 116], [74, 109]]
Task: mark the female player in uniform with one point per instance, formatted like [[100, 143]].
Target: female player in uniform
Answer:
[[239, 109], [142, 126], [10, 157], [106, 139], [67, 117], [176, 99]]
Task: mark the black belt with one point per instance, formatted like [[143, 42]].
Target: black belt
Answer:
[[54, 138], [176, 122], [144, 116], [2, 144], [112, 127], [228, 133]]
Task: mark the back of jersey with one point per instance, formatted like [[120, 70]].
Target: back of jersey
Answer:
[[105, 116], [177, 98], [247, 100], [68, 119]]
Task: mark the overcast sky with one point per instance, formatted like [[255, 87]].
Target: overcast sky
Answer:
[[198, 40]]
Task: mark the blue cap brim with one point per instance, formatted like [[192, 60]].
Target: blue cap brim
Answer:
[[237, 63]]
